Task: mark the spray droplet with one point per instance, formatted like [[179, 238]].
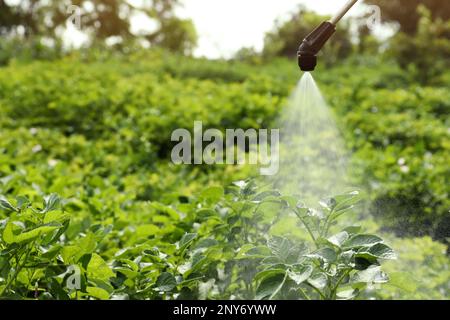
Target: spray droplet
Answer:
[[313, 159]]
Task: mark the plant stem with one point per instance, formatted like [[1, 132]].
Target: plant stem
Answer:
[[311, 234], [326, 226], [304, 294], [334, 291], [318, 291], [14, 275], [18, 269]]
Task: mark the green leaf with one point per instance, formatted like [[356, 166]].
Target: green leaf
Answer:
[[342, 204], [10, 237], [346, 201], [301, 274], [280, 247], [35, 233], [212, 194], [363, 263], [22, 202], [338, 239], [166, 282], [271, 194], [270, 286], [347, 294], [130, 274], [53, 238], [68, 254], [173, 214], [206, 214], [246, 187], [206, 243], [6, 205], [328, 203], [267, 211], [262, 275], [52, 253], [373, 274], [146, 230], [56, 216], [98, 269], [353, 230], [51, 202], [361, 240], [198, 261], [98, 293], [301, 210], [318, 280], [378, 251], [290, 201], [248, 251], [325, 254], [186, 240], [87, 244]]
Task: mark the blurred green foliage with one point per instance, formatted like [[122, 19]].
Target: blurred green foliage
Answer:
[[398, 133], [425, 54], [29, 50], [421, 273]]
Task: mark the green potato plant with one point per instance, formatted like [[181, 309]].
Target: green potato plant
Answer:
[[337, 266], [29, 243], [230, 255]]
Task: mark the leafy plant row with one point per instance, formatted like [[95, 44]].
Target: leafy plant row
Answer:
[[46, 252]]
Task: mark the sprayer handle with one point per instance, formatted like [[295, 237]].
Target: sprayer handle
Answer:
[[343, 11]]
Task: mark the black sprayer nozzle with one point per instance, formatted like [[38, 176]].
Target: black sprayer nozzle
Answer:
[[311, 45]]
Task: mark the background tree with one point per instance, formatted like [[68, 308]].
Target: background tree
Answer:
[[21, 14], [100, 19], [8, 18], [404, 12], [177, 35]]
